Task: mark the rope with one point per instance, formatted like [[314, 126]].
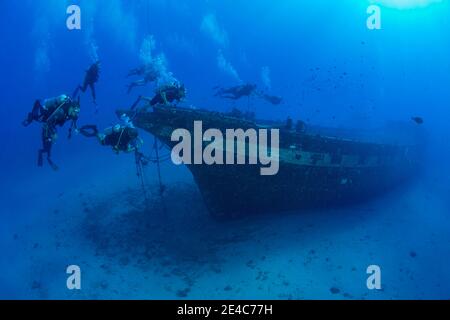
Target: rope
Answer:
[[161, 160], [161, 186], [140, 173], [116, 147], [54, 112]]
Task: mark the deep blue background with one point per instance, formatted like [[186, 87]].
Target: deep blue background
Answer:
[[330, 69]]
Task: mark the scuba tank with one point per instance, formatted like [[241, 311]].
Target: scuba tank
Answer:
[[119, 137], [57, 110], [54, 103]]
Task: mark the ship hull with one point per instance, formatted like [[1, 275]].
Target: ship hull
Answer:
[[314, 171], [239, 190]]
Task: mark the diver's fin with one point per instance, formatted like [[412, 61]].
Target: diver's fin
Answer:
[[27, 122], [52, 164]]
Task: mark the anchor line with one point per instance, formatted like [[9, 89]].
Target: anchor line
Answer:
[[141, 175], [120, 139], [158, 166], [161, 186]]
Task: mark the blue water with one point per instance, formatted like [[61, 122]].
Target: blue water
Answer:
[[329, 68]]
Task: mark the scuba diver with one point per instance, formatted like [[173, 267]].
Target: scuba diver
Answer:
[[167, 94], [246, 90], [149, 73], [140, 71], [90, 79], [237, 92], [272, 99], [121, 137], [54, 112]]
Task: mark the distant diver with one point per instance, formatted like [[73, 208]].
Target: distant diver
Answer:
[[246, 90], [168, 94], [140, 71], [149, 74], [237, 92], [90, 79], [54, 112], [272, 99]]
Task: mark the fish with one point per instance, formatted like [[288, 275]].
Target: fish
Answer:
[[417, 120]]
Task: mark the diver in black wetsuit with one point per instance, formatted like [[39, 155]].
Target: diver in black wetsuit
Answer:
[[36, 114], [237, 92], [167, 94], [246, 90], [121, 137], [54, 112], [90, 79]]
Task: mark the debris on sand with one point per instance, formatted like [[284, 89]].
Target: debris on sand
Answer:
[[183, 293], [251, 264], [334, 290], [36, 285]]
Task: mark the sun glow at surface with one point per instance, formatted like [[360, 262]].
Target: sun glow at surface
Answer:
[[405, 4]]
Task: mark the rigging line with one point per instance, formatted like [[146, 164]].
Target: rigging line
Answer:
[[144, 187], [163, 157], [158, 167], [135, 109], [160, 158], [54, 112], [120, 139], [167, 155], [160, 161], [161, 186], [140, 172]]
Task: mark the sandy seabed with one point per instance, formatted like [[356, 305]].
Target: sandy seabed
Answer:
[[172, 249]]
